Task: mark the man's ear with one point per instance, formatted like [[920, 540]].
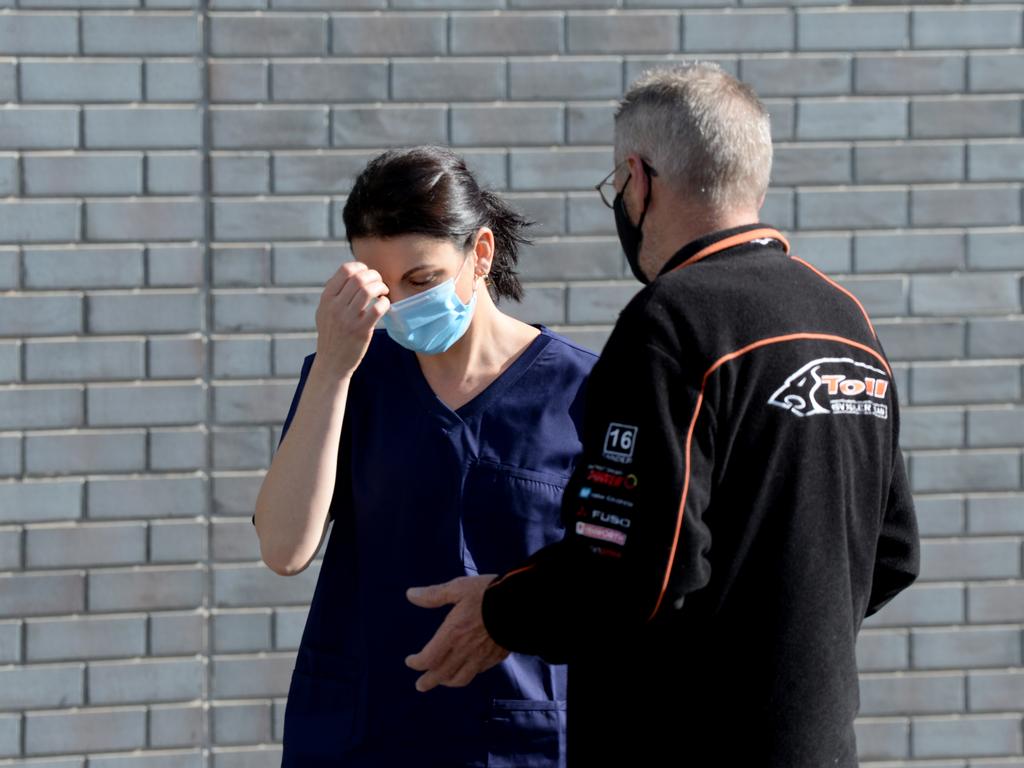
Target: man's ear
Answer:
[[484, 251], [639, 185], [760, 202]]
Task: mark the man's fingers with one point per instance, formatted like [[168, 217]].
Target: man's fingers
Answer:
[[434, 653], [427, 682], [430, 597]]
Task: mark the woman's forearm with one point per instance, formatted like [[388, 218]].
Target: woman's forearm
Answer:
[[293, 502]]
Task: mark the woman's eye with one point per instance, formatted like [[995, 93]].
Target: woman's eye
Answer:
[[421, 283]]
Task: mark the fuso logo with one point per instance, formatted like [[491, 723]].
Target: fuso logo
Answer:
[[834, 385]]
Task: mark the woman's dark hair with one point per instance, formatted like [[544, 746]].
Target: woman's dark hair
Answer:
[[430, 191]]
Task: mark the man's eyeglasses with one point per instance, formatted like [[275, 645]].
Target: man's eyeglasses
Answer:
[[606, 188]]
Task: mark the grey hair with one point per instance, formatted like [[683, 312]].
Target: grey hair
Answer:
[[706, 134]]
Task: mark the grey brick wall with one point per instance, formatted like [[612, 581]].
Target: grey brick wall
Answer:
[[171, 174]]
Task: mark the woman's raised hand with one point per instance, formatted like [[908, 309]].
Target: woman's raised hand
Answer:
[[352, 302]]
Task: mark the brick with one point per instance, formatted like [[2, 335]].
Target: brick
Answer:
[[241, 448], [241, 723], [85, 637], [38, 501], [176, 358], [989, 603], [78, 452], [405, 34], [577, 259], [234, 493], [38, 221], [10, 184], [965, 117], [590, 303], [970, 559], [996, 513], [143, 127], [149, 34], [882, 738], [940, 515], [289, 624], [241, 631], [174, 265], [232, 541], [590, 123], [994, 427], [145, 681], [983, 471], [811, 164], [83, 267], [787, 75], [995, 691], [10, 457], [922, 605], [41, 407], [309, 264], [240, 676], [270, 219], [547, 211], [506, 123], [81, 80], [862, 207], [910, 73], [909, 162], [965, 206], [174, 173], [279, 34], [829, 251], [331, 81], [880, 650], [995, 71], [849, 29], [39, 594], [177, 449], [322, 172], [908, 251], [61, 545], [969, 294], [966, 736], [34, 687], [150, 311], [579, 77], [238, 586], [10, 735], [117, 405], [912, 693], [10, 548], [245, 356], [24, 33], [239, 80], [174, 80], [273, 309], [640, 32], [176, 633], [240, 174], [860, 118], [177, 541], [963, 646], [128, 589], [251, 403], [278, 127], [148, 219], [111, 498], [95, 173], [558, 169], [494, 34], [931, 427], [389, 125], [994, 249], [38, 128], [235, 265], [742, 31], [85, 730], [10, 361], [966, 28], [995, 160], [176, 726]]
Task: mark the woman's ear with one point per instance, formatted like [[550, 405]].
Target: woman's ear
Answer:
[[483, 251]]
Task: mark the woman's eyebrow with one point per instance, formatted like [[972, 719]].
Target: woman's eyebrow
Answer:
[[415, 269]]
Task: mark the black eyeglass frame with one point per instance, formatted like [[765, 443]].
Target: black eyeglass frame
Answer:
[[608, 180]]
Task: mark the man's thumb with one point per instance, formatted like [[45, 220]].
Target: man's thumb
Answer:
[[428, 597]]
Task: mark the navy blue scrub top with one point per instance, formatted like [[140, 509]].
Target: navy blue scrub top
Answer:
[[425, 494]]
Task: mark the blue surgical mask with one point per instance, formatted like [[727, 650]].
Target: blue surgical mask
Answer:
[[432, 321]]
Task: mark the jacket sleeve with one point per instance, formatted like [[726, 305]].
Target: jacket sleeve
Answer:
[[897, 559], [634, 538]]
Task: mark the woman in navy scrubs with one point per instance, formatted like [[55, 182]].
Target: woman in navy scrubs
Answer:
[[439, 446]]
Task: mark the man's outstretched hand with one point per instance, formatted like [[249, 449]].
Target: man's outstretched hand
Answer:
[[461, 648]]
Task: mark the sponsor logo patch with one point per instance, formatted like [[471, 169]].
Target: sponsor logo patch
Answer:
[[600, 533], [834, 385], [619, 442]]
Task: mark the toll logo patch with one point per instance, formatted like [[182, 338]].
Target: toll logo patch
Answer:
[[834, 385]]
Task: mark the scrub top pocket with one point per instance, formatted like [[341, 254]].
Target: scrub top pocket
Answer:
[[508, 513], [526, 733]]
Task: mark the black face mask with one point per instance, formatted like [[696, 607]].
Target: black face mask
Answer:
[[631, 235]]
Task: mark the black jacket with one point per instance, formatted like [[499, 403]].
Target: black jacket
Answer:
[[741, 505]]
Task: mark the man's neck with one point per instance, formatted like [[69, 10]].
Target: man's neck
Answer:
[[669, 234]]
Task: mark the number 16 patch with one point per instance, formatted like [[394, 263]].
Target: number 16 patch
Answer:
[[619, 442]]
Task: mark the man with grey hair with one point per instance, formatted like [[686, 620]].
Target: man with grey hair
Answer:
[[741, 503]]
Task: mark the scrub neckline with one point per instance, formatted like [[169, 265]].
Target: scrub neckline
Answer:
[[492, 391]]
